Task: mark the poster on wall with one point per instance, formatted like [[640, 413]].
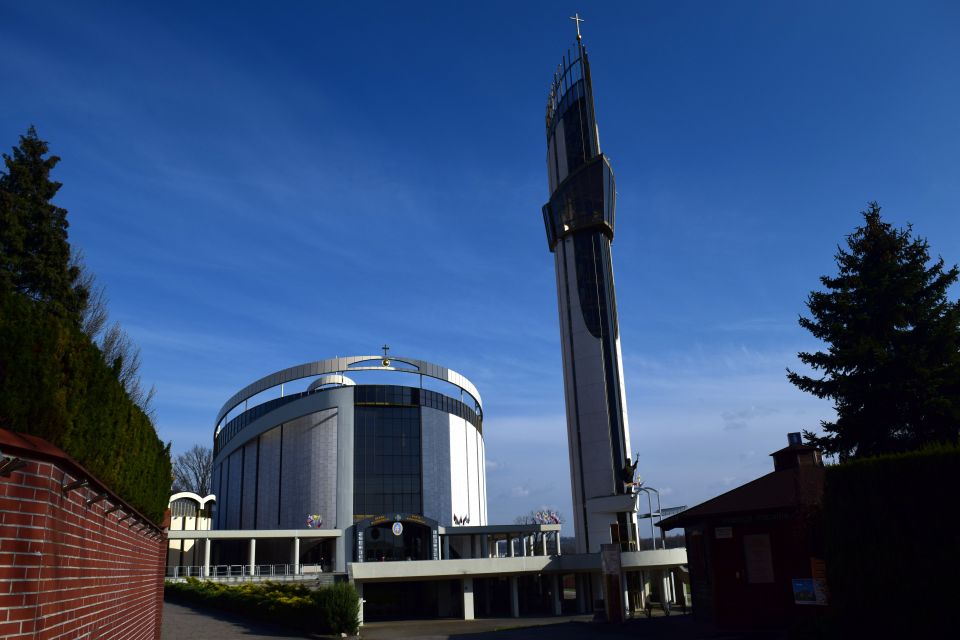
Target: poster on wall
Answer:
[[803, 592], [809, 591], [610, 559], [759, 559], [818, 569]]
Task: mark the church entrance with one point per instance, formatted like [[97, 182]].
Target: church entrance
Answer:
[[400, 538]]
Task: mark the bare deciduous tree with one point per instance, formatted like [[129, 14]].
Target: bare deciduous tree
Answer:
[[122, 354], [542, 516], [192, 470], [115, 345], [94, 316]]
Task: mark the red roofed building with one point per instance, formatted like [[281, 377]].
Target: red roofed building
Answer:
[[755, 552]]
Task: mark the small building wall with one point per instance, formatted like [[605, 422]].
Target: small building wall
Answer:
[[724, 553], [69, 570], [188, 512]]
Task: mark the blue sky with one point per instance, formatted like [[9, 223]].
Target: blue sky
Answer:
[[259, 186]]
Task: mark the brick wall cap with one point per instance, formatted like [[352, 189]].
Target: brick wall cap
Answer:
[[24, 445]]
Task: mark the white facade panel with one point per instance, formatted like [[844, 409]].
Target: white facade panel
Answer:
[[483, 482], [459, 485]]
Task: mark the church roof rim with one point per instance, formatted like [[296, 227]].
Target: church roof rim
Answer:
[[343, 365]]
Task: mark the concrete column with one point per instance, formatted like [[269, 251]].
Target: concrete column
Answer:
[[557, 594], [557, 538], [666, 593], [625, 596], [206, 557], [510, 546], [295, 560], [584, 602], [253, 555], [544, 536], [468, 598], [523, 541], [359, 587], [514, 597]]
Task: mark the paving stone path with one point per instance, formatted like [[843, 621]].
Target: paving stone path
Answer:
[[187, 623]]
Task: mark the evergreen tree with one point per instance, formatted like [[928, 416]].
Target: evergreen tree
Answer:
[[892, 367], [34, 252], [56, 382]]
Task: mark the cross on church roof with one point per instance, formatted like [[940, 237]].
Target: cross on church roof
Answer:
[[385, 348], [577, 19]]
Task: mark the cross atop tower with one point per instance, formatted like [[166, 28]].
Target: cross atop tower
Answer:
[[385, 348], [576, 18]]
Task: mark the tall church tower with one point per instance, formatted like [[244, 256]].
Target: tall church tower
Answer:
[[579, 220]]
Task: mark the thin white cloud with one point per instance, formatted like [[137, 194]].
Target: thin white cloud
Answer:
[[519, 492]]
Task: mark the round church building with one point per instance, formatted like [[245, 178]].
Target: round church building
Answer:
[[379, 450]]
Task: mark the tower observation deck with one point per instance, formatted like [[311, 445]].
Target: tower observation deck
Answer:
[[579, 222]]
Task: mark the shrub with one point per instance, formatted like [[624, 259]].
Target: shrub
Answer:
[[333, 609]]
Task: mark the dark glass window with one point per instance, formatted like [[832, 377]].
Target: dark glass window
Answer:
[[387, 458]]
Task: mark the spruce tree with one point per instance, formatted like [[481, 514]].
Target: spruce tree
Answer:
[[34, 252], [892, 366]]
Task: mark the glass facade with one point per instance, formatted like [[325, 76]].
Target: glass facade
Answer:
[[378, 394], [585, 200], [387, 455], [387, 460]]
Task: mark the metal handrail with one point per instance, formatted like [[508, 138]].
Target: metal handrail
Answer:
[[244, 571]]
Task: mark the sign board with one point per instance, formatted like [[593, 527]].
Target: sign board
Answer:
[[397, 528], [612, 581], [723, 533], [359, 544], [610, 559]]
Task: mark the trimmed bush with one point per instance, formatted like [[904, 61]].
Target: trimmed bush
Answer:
[[892, 542], [333, 609], [55, 385]]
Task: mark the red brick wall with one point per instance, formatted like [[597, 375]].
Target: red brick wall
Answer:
[[72, 571]]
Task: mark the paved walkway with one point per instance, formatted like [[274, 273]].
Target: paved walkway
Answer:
[[675, 627], [187, 623], [182, 622]]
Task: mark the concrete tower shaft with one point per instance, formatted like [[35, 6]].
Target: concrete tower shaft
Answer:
[[579, 222]]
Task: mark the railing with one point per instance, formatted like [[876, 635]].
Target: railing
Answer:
[[247, 572]]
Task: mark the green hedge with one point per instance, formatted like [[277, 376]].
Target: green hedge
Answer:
[[54, 384], [334, 609], [892, 542]]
